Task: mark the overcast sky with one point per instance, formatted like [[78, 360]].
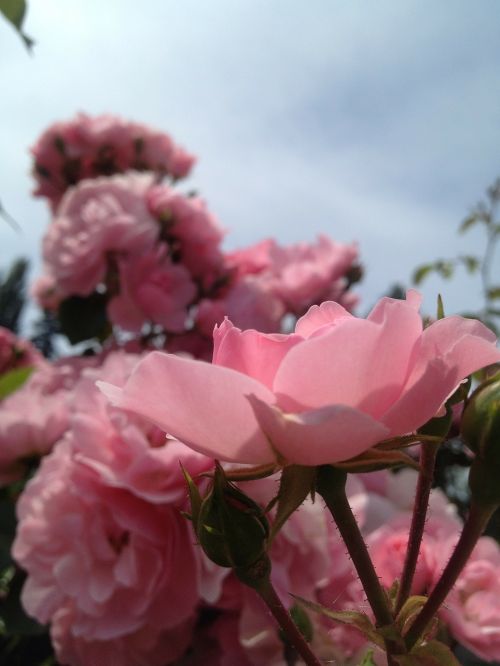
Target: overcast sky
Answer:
[[370, 121]]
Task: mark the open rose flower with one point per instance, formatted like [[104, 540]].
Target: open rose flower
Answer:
[[326, 393]]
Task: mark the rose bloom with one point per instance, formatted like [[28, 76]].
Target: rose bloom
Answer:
[[472, 609], [90, 146], [152, 288], [328, 392], [300, 274], [111, 562], [96, 218], [36, 415], [122, 568]]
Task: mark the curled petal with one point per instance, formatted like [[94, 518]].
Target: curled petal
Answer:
[[255, 354], [201, 404], [319, 436]]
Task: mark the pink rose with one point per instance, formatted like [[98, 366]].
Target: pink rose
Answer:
[[472, 609], [192, 232], [301, 274], [154, 289], [326, 393], [104, 565], [95, 219], [37, 415], [90, 146]]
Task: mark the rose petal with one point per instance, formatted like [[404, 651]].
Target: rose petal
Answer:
[[201, 404], [320, 436]]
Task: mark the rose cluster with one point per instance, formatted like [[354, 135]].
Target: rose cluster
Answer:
[[113, 568], [148, 259], [91, 146], [249, 358]]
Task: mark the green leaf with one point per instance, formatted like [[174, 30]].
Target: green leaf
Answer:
[[470, 262], [11, 381], [15, 11], [368, 659], [445, 268], [468, 223], [375, 459], [302, 621], [352, 618], [430, 654], [421, 272], [494, 292], [295, 485]]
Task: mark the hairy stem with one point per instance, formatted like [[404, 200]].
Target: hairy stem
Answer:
[[427, 463], [330, 484], [473, 528], [268, 594]]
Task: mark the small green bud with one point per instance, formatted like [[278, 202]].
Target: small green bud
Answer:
[[231, 528], [480, 426], [480, 430]]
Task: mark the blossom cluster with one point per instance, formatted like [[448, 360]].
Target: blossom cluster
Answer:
[[153, 256], [90, 146], [113, 568], [206, 360]]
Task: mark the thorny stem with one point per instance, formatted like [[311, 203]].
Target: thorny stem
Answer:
[[427, 463], [268, 594], [330, 484], [473, 528]]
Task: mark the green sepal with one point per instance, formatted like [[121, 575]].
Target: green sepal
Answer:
[[410, 608], [14, 379], [440, 307], [439, 426], [194, 497], [352, 618], [249, 473], [375, 459], [296, 483], [406, 440], [433, 653], [231, 528]]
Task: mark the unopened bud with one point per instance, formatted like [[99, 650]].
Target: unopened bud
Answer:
[[231, 528], [481, 421], [481, 432]]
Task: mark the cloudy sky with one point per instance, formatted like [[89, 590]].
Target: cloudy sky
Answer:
[[370, 121]]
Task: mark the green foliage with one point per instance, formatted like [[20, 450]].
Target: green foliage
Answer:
[[15, 12], [433, 653], [84, 317], [11, 381], [12, 294], [352, 618]]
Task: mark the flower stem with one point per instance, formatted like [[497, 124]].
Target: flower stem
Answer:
[[427, 463], [330, 484], [268, 594], [474, 526]]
